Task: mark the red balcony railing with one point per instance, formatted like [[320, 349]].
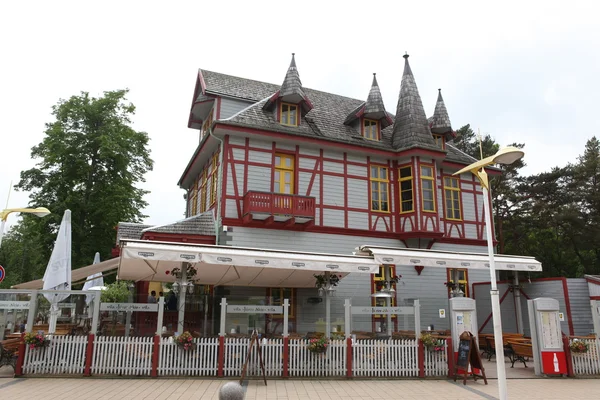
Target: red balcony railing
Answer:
[[279, 204]]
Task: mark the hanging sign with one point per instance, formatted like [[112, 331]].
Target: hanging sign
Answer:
[[129, 307], [383, 310], [14, 305], [251, 309]]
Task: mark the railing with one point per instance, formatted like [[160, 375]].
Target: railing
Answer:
[[199, 361], [303, 362], [279, 204], [436, 362], [64, 355], [385, 358], [122, 355], [587, 363]]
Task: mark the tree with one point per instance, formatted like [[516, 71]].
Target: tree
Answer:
[[90, 162]]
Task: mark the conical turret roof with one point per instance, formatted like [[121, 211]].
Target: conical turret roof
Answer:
[[440, 122], [411, 128]]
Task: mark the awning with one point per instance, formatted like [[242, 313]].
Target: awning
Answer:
[[77, 275], [448, 259], [234, 266]]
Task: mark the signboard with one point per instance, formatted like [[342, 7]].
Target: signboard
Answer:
[[66, 305], [550, 331], [2, 272], [442, 313], [14, 305], [129, 307], [383, 310], [252, 309], [561, 316]]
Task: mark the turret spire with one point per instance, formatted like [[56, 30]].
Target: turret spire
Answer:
[[440, 122]]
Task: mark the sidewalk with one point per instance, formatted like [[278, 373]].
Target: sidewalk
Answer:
[[183, 389]]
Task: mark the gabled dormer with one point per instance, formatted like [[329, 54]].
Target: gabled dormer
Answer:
[[370, 116], [289, 102], [441, 128]]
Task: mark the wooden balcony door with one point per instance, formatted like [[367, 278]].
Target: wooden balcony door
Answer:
[[283, 182]]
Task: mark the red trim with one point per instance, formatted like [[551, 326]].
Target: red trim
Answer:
[[246, 159], [450, 357], [221, 361], [273, 152], [421, 356], [567, 350], [218, 108], [490, 316], [345, 190], [568, 306], [286, 356], [297, 170], [225, 160], [234, 182], [349, 357], [592, 280], [89, 351], [20, 357], [154, 371], [594, 297], [321, 188]]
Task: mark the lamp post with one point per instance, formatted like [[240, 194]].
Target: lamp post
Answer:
[[40, 212], [506, 156]]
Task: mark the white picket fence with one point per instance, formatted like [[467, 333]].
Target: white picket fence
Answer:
[[587, 363], [385, 358], [116, 355], [64, 355], [236, 351], [200, 361], [303, 362], [436, 362]]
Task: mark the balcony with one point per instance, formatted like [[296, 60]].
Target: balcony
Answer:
[[289, 209]]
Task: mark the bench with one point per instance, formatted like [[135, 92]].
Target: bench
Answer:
[[9, 351], [506, 338], [521, 351]]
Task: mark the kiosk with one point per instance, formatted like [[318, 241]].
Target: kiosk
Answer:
[[463, 317], [546, 337]]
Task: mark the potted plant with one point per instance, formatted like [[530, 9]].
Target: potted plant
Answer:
[[36, 340], [322, 283], [185, 341], [318, 346], [431, 343], [578, 346]]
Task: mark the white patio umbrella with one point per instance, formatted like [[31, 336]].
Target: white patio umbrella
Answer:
[[93, 281], [58, 271]]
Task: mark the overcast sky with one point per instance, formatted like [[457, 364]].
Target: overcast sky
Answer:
[[522, 71]]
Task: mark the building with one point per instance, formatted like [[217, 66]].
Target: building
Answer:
[[288, 167]]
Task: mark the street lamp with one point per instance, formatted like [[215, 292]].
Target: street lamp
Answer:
[[40, 212], [506, 156]]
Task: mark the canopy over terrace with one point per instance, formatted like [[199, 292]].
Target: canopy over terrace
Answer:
[[234, 266]]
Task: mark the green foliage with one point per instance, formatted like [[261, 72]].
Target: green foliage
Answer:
[[116, 292], [90, 161]]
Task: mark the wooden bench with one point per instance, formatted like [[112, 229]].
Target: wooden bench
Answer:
[[521, 351], [9, 351], [490, 347]]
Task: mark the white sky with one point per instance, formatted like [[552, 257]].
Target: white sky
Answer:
[[523, 71]]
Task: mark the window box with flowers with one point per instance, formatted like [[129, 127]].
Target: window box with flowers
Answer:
[[185, 341], [318, 346], [431, 343], [36, 340], [578, 346]]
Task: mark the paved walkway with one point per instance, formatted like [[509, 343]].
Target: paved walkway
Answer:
[[183, 389]]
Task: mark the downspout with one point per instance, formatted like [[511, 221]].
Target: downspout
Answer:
[[219, 185]]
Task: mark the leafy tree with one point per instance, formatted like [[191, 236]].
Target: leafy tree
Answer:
[[116, 292], [90, 162]]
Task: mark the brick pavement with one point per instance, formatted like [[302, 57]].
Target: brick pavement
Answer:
[[183, 389]]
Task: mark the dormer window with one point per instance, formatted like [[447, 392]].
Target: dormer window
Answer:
[[371, 129], [289, 114], [439, 141]]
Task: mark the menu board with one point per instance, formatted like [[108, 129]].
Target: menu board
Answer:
[[467, 321], [550, 330]]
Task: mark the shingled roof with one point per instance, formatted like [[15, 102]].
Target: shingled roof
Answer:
[[373, 108], [440, 122], [411, 128], [130, 230], [324, 121], [201, 224]]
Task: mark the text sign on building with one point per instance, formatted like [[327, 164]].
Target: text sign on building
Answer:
[[129, 307], [383, 310], [250, 309], [14, 305]]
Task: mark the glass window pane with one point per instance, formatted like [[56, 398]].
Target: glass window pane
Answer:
[[374, 172], [427, 185], [287, 189], [288, 177], [284, 118], [426, 171], [293, 115], [288, 162], [428, 205], [407, 206], [375, 196], [277, 176], [383, 173], [406, 196], [427, 195], [456, 205], [284, 108], [384, 206], [405, 172], [277, 160], [374, 205]]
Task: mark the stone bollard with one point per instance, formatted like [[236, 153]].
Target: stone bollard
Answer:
[[231, 391]]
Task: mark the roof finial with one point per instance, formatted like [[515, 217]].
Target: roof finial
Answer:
[[439, 90], [405, 55], [293, 54]]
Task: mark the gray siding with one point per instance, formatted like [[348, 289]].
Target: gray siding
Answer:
[[581, 313], [229, 107]]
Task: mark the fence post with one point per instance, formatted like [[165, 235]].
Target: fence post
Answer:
[[570, 370], [221, 356], [155, 349], [286, 356], [421, 358], [89, 354], [21, 357], [450, 356], [349, 357]]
